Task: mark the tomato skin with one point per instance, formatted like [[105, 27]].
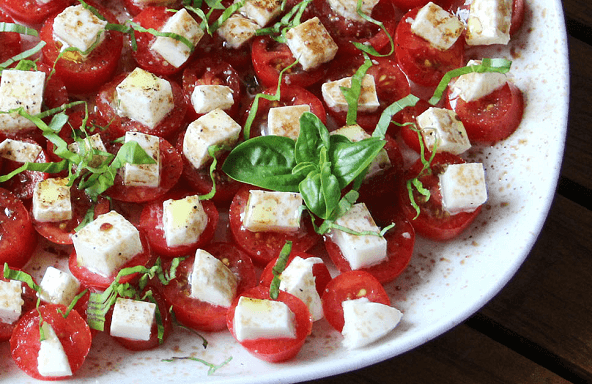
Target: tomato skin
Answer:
[[17, 235], [23, 184], [279, 349], [10, 42], [134, 9], [518, 9], [31, 12], [29, 297]]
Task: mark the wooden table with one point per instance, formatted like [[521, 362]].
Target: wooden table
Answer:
[[538, 329]]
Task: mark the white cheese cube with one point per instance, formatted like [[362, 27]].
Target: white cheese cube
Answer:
[[285, 121], [107, 243], [52, 360], [367, 102], [298, 280], [132, 319], [11, 301], [175, 52], [463, 187], [237, 30], [441, 128], [359, 250], [183, 220], [78, 27], [19, 151], [90, 143], [144, 97], [20, 89], [206, 98], [51, 200], [143, 175], [212, 281], [356, 133], [272, 211], [261, 11], [311, 43], [213, 128], [58, 287], [367, 321], [489, 22], [439, 27], [473, 86], [263, 319], [348, 8]]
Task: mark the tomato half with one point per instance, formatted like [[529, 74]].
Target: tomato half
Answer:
[[29, 297], [135, 8], [17, 235], [31, 12], [10, 42], [23, 183]]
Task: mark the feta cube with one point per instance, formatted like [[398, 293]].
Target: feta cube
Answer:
[[206, 98], [311, 43], [132, 319], [298, 280], [473, 86], [183, 220], [20, 89], [19, 151], [51, 200], [441, 128], [58, 287], [263, 319], [272, 211], [261, 11], [359, 250], [144, 97], [107, 243], [285, 121], [213, 128], [439, 27], [78, 27], [90, 143], [176, 52], [348, 8], [212, 281], [237, 30], [143, 175], [463, 187], [11, 301], [52, 360], [367, 321], [367, 102], [489, 22]]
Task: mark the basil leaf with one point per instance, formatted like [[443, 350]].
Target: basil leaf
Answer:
[[350, 159], [304, 168], [313, 136], [321, 192]]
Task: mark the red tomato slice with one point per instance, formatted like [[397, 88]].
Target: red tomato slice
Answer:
[[31, 12], [23, 184], [279, 349], [518, 9], [17, 235], [409, 115], [29, 297], [10, 42], [134, 8], [408, 4]]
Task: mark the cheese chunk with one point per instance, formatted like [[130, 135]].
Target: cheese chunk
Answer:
[[439, 27], [473, 86], [359, 250], [143, 175], [90, 143], [263, 319], [144, 97], [348, 8], [78, 27], [285, 121], [19, 151], [298, 280], [367, 102], [107, 243], [261, 11], [311, 43], [132, 319], [489, 22], [58, 287], [441, 128], [272, 211], [237, 30], [52, 360], [51, 200], [175, 52], [213, 128], [212, 281], [206, 98], [11, 301], [463, 187], [20, 89], [183, 220], [367, 321]]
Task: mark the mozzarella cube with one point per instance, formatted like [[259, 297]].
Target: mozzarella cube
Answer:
[[272, 211], [298, 280], [367, 102], [20, 89], [213, 128], [51, 200], [107, 243], [90, 144], [212, 281], [263, 319], [183, 220], [58, 287], [132, 319], [261, 11], [237, 30], [285, 121], [78, 27], [11, 301], [206, 98], [489, 22], [52, 360], [175, 52], [19, 151], [143, 175], [144, 97], [439, 27], [463, 187], [356, 133], [473, 86], [442, 129], [348, 8], [311, 43], [359, 250], [367, 321]]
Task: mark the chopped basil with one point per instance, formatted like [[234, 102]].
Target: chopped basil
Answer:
[[23, 30], [212, 368], [368, 48], [22, 55], [24, 277], [278, 268], [352, 94], [213, 150], [289, 20]]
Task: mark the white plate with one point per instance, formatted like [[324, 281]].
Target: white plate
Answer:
[[444, 284]]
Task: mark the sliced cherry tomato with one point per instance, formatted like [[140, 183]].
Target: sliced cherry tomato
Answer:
[[10, 42], [23, 183], [409, 120], [29, 297], [518, 9], [408, 4], [17, 235], [31, 11], [135, 8]]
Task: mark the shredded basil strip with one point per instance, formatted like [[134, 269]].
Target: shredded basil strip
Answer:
[[225, 15], [22, 55], [386, 116], [18, 28], [73, 303], [368, 48], [158, 316], [204, 341], [212, 368], [24, 277], [352, 94], [278, 268], [213, 150], [289, 20], [152, 31]]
